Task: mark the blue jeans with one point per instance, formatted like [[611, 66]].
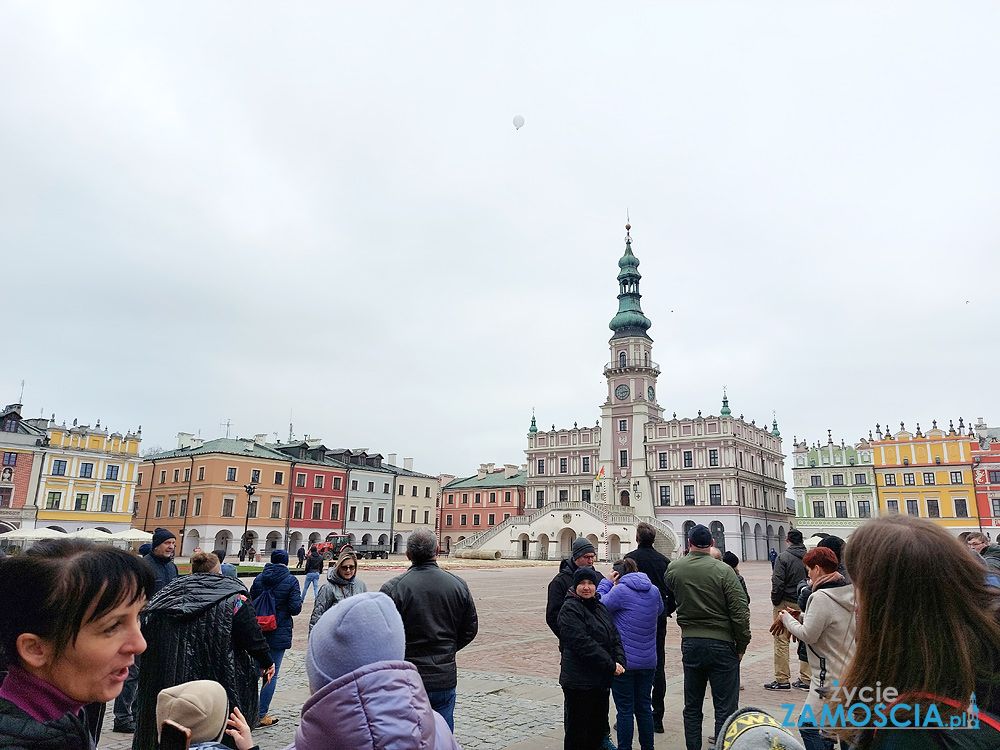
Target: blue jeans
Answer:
[[633, 697], [707, 660], [312, 578], [443, 701], [267, 692]]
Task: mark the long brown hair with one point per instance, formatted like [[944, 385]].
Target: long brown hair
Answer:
[[926, 622], [347, 554]]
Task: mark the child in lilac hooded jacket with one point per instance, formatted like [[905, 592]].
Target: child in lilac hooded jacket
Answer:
[[363, 694]]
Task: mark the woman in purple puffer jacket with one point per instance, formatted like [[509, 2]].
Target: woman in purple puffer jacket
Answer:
[[364, 695], [634, 603]]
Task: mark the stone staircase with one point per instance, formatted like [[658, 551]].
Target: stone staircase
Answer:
[[666, 541]]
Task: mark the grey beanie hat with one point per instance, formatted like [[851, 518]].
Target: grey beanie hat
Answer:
[[582, 546], [360, 630], [754, 729]]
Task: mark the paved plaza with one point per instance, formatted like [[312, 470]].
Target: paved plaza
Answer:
[[508, 691]]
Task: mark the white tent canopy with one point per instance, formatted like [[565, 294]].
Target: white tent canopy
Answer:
[[95, 535], [25, 534], [132, 535]]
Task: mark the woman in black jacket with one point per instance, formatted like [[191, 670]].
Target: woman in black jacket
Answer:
[[69, 635], [200, 627], [592, 655]]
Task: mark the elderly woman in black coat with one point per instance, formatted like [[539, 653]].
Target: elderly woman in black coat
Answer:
[[592, 655]]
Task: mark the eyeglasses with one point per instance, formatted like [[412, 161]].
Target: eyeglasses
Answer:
[[348, 567]]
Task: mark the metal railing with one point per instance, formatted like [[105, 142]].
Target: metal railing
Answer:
[[631, 364]]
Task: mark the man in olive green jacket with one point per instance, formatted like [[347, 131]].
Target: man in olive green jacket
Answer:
[[714, 618]]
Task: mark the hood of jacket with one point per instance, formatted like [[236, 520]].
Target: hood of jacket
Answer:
[[332, 577], [383, 705], [274, 573], [798, 550], [192, 594], [991, 550], [567, 566], [636, 581], [841, 593]]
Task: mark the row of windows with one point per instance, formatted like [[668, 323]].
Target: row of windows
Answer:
[[427, 491], [688, 459], [563, 497], [564, 466], [232, 473], [463, 519], [838, 479], [910, 480], [413, 515], [934, 508], [478, 497], [840, 509], [81, 502], [714, 494], [86, 469]]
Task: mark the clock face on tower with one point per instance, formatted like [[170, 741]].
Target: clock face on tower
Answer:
[[651, 393], [622, 392]]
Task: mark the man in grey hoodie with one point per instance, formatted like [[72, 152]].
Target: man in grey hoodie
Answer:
[[788, 571]]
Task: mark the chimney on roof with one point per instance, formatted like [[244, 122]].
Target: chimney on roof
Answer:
[[408, 464], [482, 471], [392, 459], [260, 438], [509, 471], [248, 445], [184, 439]]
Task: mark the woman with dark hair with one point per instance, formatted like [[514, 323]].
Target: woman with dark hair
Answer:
[[200, 627], [927, 626], [341, 582], [592, 655], [67, 639]]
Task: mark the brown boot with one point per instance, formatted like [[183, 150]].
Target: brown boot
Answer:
[[267, 720]]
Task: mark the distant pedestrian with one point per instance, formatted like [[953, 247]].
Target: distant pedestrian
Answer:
[[772, 556], [364, 695], [439, 616], [788, 572], [301, 554], [313, 567], [591, 657], [277, 581], [160, 559], [655, 565], [200, 627], [342, 582], [635, 605], [714, 618]]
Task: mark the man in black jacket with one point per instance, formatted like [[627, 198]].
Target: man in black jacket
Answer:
[[439, 618], [654, 565], [161, 561], [582, 555], [788, 571]]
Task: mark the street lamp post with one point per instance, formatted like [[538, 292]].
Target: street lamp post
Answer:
[[250, 489]]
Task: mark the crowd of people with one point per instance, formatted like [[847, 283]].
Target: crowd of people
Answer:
[[193, 660]]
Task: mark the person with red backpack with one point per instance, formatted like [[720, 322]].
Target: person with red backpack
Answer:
[[275, 593]]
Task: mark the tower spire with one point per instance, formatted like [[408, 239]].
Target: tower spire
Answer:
[[726, 411], [629, 321]]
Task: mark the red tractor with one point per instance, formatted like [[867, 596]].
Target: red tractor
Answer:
[[334, 545]]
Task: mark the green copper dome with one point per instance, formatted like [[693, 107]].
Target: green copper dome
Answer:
[[534, 428], [726, 411], [629, 321], [774, 429]]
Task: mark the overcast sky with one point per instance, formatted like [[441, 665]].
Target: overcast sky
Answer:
[[241, 211]]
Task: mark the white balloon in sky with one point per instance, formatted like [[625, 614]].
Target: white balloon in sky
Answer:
[[518, 122]]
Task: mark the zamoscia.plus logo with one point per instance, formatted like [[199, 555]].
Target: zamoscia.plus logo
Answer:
[[878, 707]]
